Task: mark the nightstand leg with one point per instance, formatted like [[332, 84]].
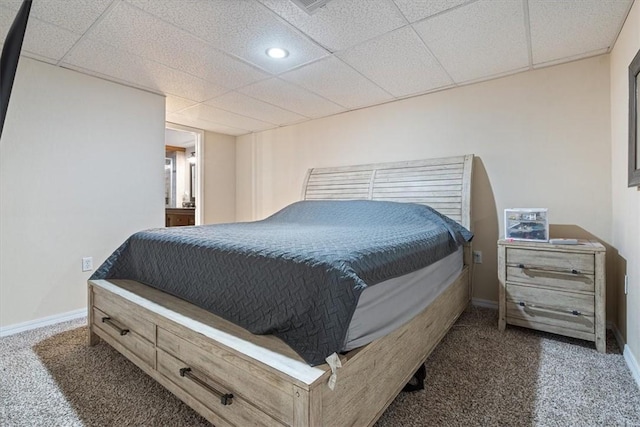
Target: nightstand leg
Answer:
[[502, 323], [502, 295], [600, 295]]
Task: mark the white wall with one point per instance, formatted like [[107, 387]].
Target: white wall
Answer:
[[219, 178], [245, 178], [81, 168], [542, 139], [626, 201]]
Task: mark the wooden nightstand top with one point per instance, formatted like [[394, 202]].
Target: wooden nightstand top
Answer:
[[582, 246]]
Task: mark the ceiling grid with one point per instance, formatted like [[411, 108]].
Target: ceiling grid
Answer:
[[208, 57]]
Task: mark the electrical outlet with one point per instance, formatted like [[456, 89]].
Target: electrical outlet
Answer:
[[626, 284], [87, 263], [477, 257]]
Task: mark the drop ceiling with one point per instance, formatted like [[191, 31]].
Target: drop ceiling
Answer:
[[208, 56]]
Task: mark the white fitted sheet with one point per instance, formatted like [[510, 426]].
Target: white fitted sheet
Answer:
[[384, 307]]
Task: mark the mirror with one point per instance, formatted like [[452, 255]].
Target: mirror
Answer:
[[169, 187], [180, 175], [634, 122]]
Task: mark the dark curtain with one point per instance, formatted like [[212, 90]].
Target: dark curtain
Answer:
[[10, 57]]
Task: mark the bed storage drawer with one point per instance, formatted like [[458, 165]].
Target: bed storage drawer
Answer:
[[123, 312], [122, 323], [248, 383], [124, 334], [223, 401]]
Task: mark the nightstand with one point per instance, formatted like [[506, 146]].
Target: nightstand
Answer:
[[553, 288]]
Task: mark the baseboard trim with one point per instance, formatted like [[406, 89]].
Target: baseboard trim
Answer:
[[484, 303], [44, 321], [629, 358], [632, 363]]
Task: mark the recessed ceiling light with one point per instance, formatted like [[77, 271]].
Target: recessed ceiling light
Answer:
[[277, 52]]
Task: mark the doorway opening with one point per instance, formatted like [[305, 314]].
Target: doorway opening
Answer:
[[183, 175]]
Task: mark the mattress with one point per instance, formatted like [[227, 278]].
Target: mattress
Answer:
[[298, 274], [388, 305]]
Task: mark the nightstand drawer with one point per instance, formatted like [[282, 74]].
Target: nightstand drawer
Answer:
[[534, 315], [575, 263], [552, 279], [566, 302]]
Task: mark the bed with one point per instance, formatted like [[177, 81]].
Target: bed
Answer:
[[233, 377]]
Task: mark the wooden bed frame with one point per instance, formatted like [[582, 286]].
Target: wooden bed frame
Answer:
[[233, 377]]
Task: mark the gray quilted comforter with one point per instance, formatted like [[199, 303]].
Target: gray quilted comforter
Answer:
[[297, 274]]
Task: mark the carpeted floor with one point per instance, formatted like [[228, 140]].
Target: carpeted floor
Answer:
[[477, 376]]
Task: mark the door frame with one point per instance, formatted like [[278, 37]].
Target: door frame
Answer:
[[199, 213]]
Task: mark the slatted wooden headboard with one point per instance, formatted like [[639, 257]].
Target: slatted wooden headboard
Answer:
[[444, 184]]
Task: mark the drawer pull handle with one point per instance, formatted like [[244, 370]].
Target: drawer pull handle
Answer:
[[225, 398], [520, 265], [109, 322], [543, 307], [575, 272]]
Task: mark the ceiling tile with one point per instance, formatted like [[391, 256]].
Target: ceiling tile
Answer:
[[180, 119], [342, 23], [208, 56], [398, 62], [336, 81], [242, 104], [106, 60], [175, 103], [72, 15], [41, 39], [557, 28], [244, 28], [216, 115], [416, 10], [291, 97], [478, 40], [131, 29]]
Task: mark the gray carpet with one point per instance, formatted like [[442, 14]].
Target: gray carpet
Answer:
[[477, 376]]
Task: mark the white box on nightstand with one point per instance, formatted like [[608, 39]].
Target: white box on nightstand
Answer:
[[526, 224]]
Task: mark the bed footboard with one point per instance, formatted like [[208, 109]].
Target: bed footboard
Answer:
[[229, 386]]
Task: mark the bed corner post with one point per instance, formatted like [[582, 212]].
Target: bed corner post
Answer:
[[467, 220], [92, 337], [305, 183], [307, 407]]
